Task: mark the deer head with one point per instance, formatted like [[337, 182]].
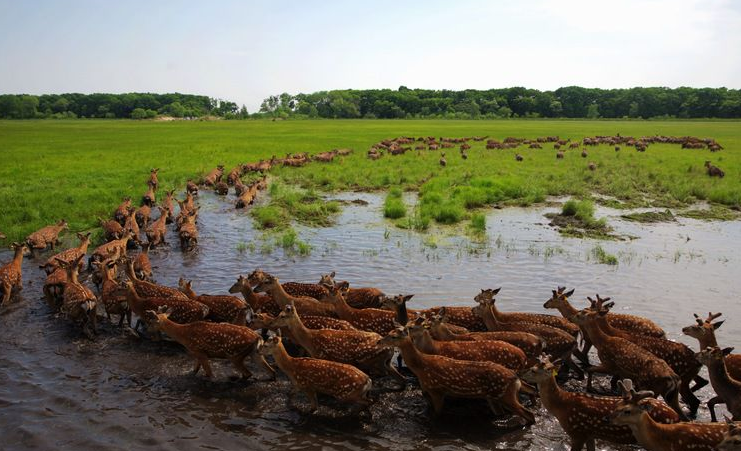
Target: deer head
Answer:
[[704, 328], [629, 410], [560, 297], [542, 371], [487, 296]]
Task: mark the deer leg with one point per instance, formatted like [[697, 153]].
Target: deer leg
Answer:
[[689, 397], [583, 353], [590, 372], [206, 366], [711, 406], [313, 399], [260, 359], [238, 363], [577, 443], [391, 371], [590, 444], [512, 403], [699, 382], [7, 288], [437, 400], [672, 398], [197, 366]]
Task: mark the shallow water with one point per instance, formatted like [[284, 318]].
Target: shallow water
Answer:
[[60, 391]]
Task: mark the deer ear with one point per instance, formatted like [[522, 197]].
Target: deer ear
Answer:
[[727, 351], [718, 324], [496, 291], [408, 297], [332, 274], [569, 293]]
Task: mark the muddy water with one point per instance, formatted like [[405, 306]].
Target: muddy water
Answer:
[[59, 391]]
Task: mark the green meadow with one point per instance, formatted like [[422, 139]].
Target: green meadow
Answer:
[[80, 169]]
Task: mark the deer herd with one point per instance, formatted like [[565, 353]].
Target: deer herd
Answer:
[[337, 340]]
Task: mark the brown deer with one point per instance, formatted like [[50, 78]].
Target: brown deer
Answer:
[[714, 171], [221, 188], [143, 215], [592, 166], [122, 212], [501, 352], [46, 237], [518, 157], [182, 311], [304, 305], [132, 225], [311, 290], [487, 297], [234, 174], [364, 297], [461, 317], [79, 303], [150, 197], [625, 359], [312, 376], [204, 341], [54, 288], [191, 188], [354, 347], [704, 331], [142, 265], [2, 236], [103, 251], [11, 275], [149, 289], [584, 153], [68, 255], [112, 294], [247, 197], [584, 417], [728, 390], [559, 155], [153, 182], [443, 161], [731, 438], [169, 206], [188, 232], [441, 377], [158, 229], [398, 305], [112, 230], [258, 302], [657, 436], [214, 176], [221, 309], [370, 319]]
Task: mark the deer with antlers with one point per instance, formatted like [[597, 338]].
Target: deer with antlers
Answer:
[[728, 390], [731, 438], [182, 311], [305, 305], [442, 377], [221, 309], [704, 332], [364, 297], [369, 319], [259, 302], [487, 297]]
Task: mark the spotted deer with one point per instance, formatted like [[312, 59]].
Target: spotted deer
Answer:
[[440, 377], [501, 352], [625, 359], [104, 250], [370, 319], [153, 182], [11, 275], [169, 205], [46, 237], [188, 232], [191, 188], [680, 358], [259, 302], [656, 436], [583, 416], [398, 305], [459, 316], [221, 309], [68, 255], [142, 264], [304, 305], [354, 347], [150, 197], [112, 230], [143, 215], [728, 390], [182, 311], [204, 341], [112, 294], [132, 225], [731, 438], [704, 332], [312, 376], [149, 289], [122, 211], [487, 297], [79, 303], [364, 297], [54, 288], [214, 176], [158, 229]]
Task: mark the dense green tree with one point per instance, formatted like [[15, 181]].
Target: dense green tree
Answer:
[[138, 113]]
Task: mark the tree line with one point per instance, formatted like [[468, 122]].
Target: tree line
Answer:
[[111, 106], [567, 102]]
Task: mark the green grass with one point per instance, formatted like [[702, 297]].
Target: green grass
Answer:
[[79, 170], [650, 216], [602, 257], [289, 203], [393, 207]]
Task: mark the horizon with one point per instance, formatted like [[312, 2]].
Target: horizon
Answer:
[[247, 52]]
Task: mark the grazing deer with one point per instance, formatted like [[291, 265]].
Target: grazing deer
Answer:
[[728, 390], [680, 358], [112, 294], [370, 319], [354, 347], [221, 309], [79, 304], [312, 376], [704, 331], [518, 157], [584, 153], [158, 229], [656, 436], [11, 275], [112, 230], [559, 155], [142, 265], [204, 341], [258, 302], [46, 237], [122, 212], [592, 166], [714, 171], [153, 182], [68, 255], [191, 188], [150, 197], [487, 297], [365, 297], [583, 416], [441, 376], [731, 438], [304, 305], [501, 352], [443, 161], [182, 311], [625, 359]]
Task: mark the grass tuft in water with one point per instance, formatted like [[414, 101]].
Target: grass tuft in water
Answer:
[[599, 254]]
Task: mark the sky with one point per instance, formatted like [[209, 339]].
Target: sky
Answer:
[[244, 51]]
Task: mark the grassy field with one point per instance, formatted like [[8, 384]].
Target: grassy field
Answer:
[[79, 170]]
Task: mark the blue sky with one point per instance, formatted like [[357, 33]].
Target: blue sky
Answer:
[[244, 51]]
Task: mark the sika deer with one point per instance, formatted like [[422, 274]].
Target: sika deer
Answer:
[[441, 376], [112, 230], [398, 305], [122, 212], [503, 353], [142, 265], [158, 229], [304, 305], [370, 319], [191, 188], [11, 275], [487, 297], [704, 331], [103, 251], [143, 215], [625, 359], [132, 225], [312, 376], [355, 297], [221, 309], [731, 439], [656, 436], [728, 390], [149, 289], [204, 341], [153, 182], [169, 205], [46, 237], [112, 294], [150, 197], [582, 416], [68, 255], [188, 232], [354, 347], [258, 302], [214, 176], [79, 304], [714, 171], [182, 311]]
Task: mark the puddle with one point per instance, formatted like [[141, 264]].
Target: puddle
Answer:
[[58, 391]]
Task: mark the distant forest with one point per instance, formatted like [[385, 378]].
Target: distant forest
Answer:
[[568, 102]]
